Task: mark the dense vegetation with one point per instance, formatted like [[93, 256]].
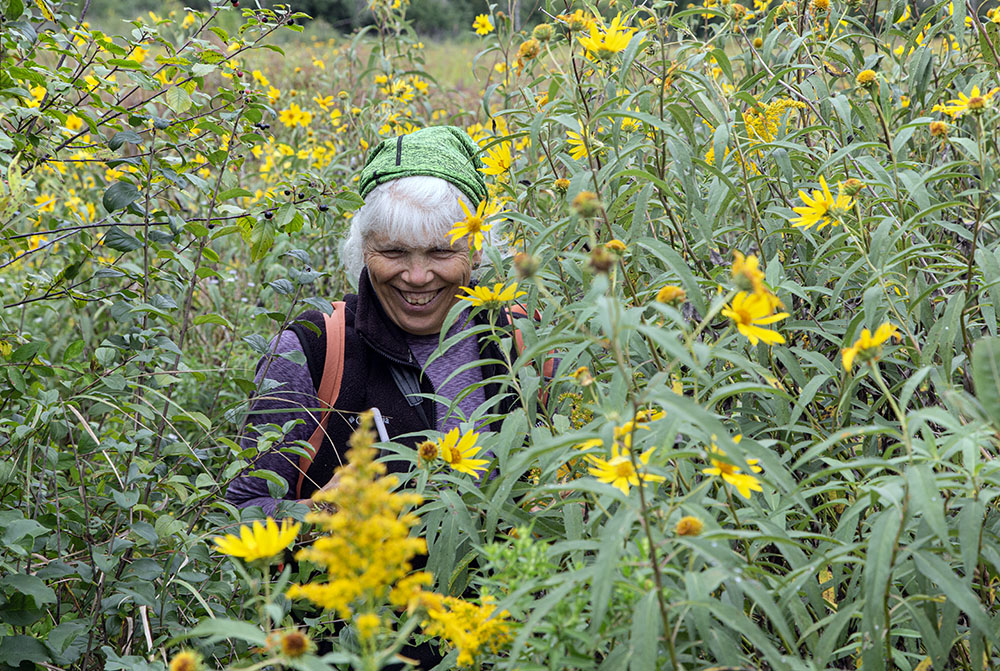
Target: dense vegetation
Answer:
[[762, 241]]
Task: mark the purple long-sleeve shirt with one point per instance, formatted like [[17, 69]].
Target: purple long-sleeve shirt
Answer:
[[295, 398]]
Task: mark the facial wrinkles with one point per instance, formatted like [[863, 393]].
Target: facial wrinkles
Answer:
[[416, 285]]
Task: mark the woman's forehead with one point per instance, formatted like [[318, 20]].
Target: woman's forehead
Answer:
[[384, 241]]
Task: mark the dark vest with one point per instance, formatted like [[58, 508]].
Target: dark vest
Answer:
[[378, 369]]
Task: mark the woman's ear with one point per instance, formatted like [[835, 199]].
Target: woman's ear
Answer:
[[477, 256]]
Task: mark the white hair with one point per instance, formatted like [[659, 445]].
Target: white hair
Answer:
[[415, 211]]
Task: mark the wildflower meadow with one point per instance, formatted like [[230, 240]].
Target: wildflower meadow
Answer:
[[755, 254]]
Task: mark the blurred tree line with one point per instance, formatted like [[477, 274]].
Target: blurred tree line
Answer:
[[433, 18]]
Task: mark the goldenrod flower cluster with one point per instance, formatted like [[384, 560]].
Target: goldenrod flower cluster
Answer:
[[367, 551], [468, 627], [367, 548]]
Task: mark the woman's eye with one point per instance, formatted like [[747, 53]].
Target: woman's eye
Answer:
[[443, 253]]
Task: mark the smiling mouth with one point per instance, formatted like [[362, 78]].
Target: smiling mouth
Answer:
[[418, 298]]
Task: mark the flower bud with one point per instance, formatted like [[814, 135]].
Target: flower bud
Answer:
[[525, 265], [542, 32], [601, 259], [586, 204]]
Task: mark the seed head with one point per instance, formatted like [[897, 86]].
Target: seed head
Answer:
[[294, 644], [428, 450]]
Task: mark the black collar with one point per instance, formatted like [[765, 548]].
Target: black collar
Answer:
[[382, 334]]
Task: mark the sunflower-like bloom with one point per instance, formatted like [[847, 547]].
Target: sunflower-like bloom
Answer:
[[868, 346], [472, 226], [613, 40], [458, 451], [485, 297], [498, 160], [733, 475], [482, 25], [262, 541], [751, 312], [619, 471], [974, 102], [579, 143], [747, 274], [822, 208]]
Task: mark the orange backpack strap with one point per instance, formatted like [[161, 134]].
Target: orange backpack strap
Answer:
[[329, 385], [548, 366]]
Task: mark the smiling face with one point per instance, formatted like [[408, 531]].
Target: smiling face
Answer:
[[418, 285]]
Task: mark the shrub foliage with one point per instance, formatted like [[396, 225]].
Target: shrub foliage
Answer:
[[762, 242]]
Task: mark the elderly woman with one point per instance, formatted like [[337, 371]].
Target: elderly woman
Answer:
[[409, 279]]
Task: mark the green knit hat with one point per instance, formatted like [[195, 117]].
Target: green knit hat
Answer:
[[439, 151]]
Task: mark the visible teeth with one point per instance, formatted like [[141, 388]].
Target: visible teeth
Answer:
[[422, 298]]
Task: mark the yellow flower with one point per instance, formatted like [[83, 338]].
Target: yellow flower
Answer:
[[259, 542], [822, 207], [671, 295], [472, 226], [747, 274], [498, 160], [458, 451], [866, 78], [619, 471], [367, 624], [482, 25], [751, 312], [614, 39], [293, 116], [868, 346], [974, 102], [939, 129], [138, 54], [324, 103], [186, 660], [578, 143], [467, 627], [427, 450], [616, 246], [366, 547], [481, 296], [743, 482], [689, 526]]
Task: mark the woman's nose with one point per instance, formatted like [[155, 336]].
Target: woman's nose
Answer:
[[418, 271]]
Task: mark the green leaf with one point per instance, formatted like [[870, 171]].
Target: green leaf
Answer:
[[18, 649], [212, 319], [13, 9], [986, 376], [32, 586], [220, 629], [118, 239], [123, 136], [178, 99], [958, 593], [645, 633], [26, 352], [119, 196]]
